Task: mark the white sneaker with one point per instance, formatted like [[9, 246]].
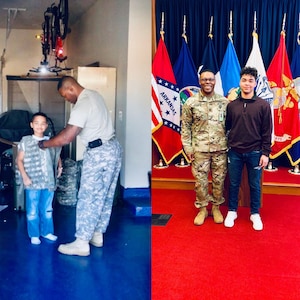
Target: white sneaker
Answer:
[[35, 241], [229, 220], [50, 237], [257, 223]]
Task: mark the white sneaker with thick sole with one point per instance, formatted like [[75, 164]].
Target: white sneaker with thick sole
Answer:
[[257, 223], [229, 220]]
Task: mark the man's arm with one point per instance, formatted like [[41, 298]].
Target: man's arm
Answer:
[[186, 130], [65, 137]]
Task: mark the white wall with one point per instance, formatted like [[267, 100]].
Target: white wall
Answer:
[[23, 51], [117, 33], [138, 111]]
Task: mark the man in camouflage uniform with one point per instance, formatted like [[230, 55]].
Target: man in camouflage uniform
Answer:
[[204, 141], [91, 121]]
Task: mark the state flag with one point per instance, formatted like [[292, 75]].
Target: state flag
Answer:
[[230, 69], [185, 73], [166, 135]]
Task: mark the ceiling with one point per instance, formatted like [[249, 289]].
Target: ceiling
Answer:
[[30, 13]]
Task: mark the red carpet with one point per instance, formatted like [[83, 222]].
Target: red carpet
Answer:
[[282, 175], [215, 262]]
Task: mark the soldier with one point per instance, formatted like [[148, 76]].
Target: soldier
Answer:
[[90, 120], [204, 141]]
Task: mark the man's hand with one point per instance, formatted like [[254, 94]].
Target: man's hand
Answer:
[[59, 171], [41, 144], [27, 181], [191, 157]]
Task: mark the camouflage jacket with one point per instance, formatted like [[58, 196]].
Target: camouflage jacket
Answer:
[[203, 123]]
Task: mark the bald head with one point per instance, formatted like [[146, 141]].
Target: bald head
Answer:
[[66, 81], [69, 88]]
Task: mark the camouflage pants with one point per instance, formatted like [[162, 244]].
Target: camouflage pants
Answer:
[[100, 172], [216, 162]]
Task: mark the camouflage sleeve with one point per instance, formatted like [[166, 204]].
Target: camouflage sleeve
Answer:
[[186, 128]]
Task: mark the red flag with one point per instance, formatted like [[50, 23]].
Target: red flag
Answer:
[[166, 100], [286, 115]]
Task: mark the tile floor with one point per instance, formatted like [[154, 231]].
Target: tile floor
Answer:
[[120, 270]]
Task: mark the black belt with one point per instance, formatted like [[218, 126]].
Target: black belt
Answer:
[[95, 143]]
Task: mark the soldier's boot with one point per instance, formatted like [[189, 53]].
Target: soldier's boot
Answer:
[[97, 239], [78, 247], [217, 215], [202, 214]]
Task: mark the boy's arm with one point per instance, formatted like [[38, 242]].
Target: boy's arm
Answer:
[[20, 163]]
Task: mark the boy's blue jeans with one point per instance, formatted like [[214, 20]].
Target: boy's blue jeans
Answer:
[[236, 163], [39, 212]]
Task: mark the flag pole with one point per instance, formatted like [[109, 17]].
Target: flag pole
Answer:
[[283, 23], [184, 29], [161, 164], [254, 32], [230, 35], [282, 67], [183, 162], [162, 25], [210, 35], [298, 35], [255, 23]]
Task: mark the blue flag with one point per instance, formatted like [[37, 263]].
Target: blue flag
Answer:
[[209, 62], [294, 152], [295, 69], [230, 69], [185, 73]]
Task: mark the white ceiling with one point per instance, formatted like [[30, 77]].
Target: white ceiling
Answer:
[[31, 13]]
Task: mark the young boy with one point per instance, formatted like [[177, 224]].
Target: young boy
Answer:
[[249, 123], [38, 169]]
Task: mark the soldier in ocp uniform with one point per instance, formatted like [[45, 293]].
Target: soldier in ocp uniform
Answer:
[[204, 141]]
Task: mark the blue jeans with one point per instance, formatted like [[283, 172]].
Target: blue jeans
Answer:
[[236, 163], [39, 212]]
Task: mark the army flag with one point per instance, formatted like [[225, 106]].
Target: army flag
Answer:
[[294, 152], [166, 135], [255, 60], [230, 69], [209, 62], [262, 88], [156, 119], [285, 103], [185, 73]]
